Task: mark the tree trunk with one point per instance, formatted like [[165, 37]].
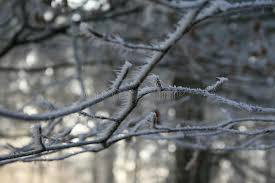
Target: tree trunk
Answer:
[[199, 170]]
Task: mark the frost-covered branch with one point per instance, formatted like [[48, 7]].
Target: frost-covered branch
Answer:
[[132, 89]]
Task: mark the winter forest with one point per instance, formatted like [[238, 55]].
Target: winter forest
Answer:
[[137, 91]]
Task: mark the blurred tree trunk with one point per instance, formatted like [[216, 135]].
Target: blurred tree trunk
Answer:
[[102, 166], [200, 170], [269, 166]]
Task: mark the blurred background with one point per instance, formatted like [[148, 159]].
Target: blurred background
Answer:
[[42, 42]]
